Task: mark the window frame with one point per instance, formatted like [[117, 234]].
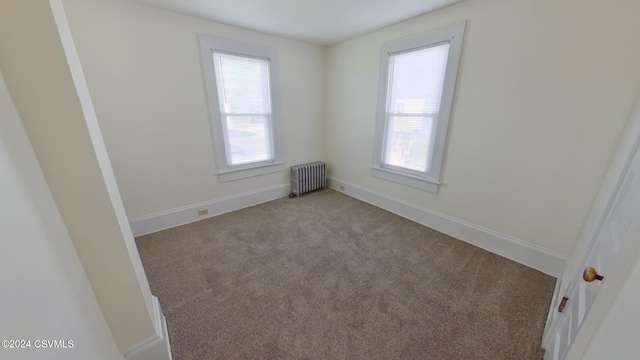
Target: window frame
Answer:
[[452, 34], [225, 170]]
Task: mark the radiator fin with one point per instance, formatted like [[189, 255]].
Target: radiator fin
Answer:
[[308, 177]]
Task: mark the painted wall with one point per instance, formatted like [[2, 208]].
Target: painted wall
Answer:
[[46, 86], [544, 91], [144, 72], [46, 294]]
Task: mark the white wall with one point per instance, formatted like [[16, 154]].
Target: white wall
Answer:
[[45, 82], [544, 91], [45, 292], [143, 69]]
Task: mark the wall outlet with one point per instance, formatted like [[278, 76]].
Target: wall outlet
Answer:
[[341, 187], [203, 212]]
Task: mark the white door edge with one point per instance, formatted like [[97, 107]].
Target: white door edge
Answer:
[[609, 293]]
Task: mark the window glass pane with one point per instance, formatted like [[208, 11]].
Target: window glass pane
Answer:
[[248, 139], [245, 103], [243, 84], [416, 79], [409, 142], [415, 101]]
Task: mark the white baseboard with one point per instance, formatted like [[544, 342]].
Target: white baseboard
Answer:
[[546, 261], [171, 218], [157, 347]]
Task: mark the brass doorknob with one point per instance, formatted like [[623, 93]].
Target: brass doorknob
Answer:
[[590, 274]]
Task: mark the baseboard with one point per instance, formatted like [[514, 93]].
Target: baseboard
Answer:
[[171, 218], [546, 261], [157, 347]]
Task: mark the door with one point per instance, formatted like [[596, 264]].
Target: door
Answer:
[[611, 237]]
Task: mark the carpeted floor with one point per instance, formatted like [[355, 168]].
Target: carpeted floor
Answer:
[[330, 277]]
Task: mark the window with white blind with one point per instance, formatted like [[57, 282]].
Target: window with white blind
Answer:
[[417, 81], [240, 93]]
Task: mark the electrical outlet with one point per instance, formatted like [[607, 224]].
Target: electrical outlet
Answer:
[[341, 187], [203, 212]]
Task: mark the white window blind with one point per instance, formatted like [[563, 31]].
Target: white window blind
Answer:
[[245, 106], [415, 83], [415, 99]]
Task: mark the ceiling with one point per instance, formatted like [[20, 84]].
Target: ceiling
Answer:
[[322, 22]]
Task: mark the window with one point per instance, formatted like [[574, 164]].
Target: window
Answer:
[[240, 96], [417, 81]]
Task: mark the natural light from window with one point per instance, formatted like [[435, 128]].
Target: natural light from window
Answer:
[[416, 80], [245, 105]]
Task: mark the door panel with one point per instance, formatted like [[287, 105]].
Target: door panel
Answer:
[[611, 238]]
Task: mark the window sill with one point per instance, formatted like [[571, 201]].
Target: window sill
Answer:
[[406, 179], [237, 174]]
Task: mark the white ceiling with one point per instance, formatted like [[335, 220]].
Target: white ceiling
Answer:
[[321, 22]]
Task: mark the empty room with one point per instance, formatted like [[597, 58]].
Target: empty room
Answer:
[[212, 179]]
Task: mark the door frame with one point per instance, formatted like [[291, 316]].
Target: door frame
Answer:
[[629, 145]]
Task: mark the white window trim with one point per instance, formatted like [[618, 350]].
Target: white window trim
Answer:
[[452, 34], [225, 171]]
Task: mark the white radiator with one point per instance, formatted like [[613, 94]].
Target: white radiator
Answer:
[[308, 177]]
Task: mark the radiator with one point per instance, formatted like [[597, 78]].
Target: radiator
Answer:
[[308, 177]]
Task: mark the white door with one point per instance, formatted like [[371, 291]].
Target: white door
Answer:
[[611, 235]]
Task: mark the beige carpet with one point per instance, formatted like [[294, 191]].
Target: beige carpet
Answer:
[[330, 277]]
